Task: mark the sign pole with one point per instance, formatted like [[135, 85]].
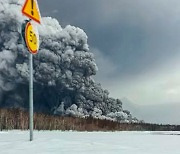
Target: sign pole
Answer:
[[31, 95], [31, 38]]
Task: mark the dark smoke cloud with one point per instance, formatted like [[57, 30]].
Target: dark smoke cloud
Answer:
[[63, 70]]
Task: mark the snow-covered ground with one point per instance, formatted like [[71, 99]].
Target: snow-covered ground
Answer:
[[57, 142]]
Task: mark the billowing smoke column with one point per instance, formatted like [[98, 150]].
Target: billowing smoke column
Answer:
[[63, 70]]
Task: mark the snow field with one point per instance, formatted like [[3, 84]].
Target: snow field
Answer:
[[58, 142]]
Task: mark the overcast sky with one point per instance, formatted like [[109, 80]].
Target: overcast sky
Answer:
[[136, 43]]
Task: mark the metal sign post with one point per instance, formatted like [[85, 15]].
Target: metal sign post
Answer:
[[31, 95], [31, 39]]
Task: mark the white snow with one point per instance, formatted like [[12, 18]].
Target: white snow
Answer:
[[57, 142]]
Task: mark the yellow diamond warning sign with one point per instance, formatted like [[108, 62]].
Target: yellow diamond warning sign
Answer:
[[31, 38], [31, 10]]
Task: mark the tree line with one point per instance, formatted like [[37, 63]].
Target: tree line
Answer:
[[11, 119]]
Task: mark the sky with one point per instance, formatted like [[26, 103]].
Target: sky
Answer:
[[136, 44]]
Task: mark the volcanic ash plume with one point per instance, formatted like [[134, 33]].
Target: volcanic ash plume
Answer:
[[63, 70]]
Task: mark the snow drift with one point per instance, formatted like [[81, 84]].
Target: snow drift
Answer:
[[63, 70]]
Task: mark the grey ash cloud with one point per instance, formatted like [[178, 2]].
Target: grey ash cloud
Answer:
[[63, 70], [139, 38]]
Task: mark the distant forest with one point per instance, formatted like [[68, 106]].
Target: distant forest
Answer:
[[19, 119]]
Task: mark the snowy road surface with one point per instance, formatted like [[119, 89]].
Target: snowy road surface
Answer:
[[57, 142]]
